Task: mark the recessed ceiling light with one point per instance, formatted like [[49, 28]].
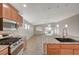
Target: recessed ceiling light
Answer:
[[57, 25], [66, 25], [24, 5]]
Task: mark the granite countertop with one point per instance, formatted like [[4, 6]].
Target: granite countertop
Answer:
[[3, 47], [52, 40]]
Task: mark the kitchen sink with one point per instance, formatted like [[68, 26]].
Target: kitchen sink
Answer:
[[66, 40]]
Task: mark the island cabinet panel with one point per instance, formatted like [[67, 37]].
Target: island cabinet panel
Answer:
[[63, 49], [76, 51], [67, 46], [66, 52], [53, 49], [76, 46], [66, 49]]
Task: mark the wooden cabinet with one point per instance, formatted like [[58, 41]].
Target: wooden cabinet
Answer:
[[53, 49], [63, 49], [4, 51], [76, 49], [6, 12], [19, 20], [66, 49], [14, 15], [66, 52], [0, 10]]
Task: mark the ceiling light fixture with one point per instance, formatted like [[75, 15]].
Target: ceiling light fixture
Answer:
[[24, 5], [66, 25], [57, 25]]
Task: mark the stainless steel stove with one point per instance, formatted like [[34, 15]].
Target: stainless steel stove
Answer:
[[15, 45]]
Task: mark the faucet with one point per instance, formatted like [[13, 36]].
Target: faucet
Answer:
[[65, 33]]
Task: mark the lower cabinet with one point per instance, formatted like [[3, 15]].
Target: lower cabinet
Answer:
[[76, 51], [53, 49], [4, 52], [53, 52], [62, 49], [66, 52]]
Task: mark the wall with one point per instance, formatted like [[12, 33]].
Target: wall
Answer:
[[73, 25], [42, 26], [28, 33]]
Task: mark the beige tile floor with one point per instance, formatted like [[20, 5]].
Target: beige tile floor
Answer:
[[33, 46]]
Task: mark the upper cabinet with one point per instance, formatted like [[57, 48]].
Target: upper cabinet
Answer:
[[19, 20], [7, 11], [0, 10], [14, 15]]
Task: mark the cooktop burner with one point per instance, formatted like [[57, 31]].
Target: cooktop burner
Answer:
[[8, 41]]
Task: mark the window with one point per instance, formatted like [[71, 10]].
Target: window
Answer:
[[26, 26]]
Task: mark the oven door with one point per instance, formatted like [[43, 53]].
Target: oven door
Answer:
[[18, 50]]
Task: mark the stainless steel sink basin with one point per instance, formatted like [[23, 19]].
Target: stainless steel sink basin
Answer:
[[66, 40]]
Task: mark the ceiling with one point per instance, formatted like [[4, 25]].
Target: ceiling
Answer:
[[41, 13]]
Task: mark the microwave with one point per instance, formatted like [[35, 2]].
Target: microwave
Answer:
[[9, 25]]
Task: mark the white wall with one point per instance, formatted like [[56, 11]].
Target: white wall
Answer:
[[28, 33], [43, 26], [73, 25]]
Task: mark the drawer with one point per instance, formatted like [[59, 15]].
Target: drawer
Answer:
[[53, 46], [66, 51], [76, 46], [76, 52], [53, 51], [4, 52], [67, 46]]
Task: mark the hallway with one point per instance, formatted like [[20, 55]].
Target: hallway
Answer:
[[34, 46]]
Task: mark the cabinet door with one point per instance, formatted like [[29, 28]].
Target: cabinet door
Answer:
[[0, 10], [6, 11], [66, 51], [20, 20], [13, 15], [76, 51], [76, 46], [4, 52], [53, 51], [67, 46]]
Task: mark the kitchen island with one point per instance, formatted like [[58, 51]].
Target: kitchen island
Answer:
[[55, 47]]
